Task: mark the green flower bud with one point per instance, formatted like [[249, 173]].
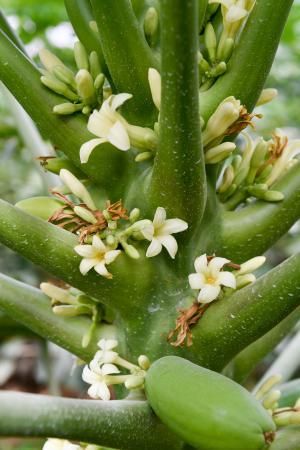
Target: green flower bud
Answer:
[[59, 87], [225, 49], [218, 70], [111, 241], [99, 81], [49, 60], [236, 162], [70, 310], [134, 382], [203, 64], [93, 26], [81, 56], [258, 190], [143, 156], [142, 138], [220, 152], [144, 362], [273, 196], [227, 179], [130, 250], [86, 110], [95, 67], [85, 87], [65, 109], [210, 41], [65, 75], [271, 398], [54, 165], [134, 215], [151, 21], [244, 280], [259, 154], [267, 386], [85, 214]]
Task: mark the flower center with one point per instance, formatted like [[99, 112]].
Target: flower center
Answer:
[[210, 280]]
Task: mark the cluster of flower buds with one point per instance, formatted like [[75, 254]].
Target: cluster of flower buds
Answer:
[[104, 371], [229, 118], [270, 396], [218, 49], [253, 170], [71, 302], [83, 90], [63, 444], [105, 234]]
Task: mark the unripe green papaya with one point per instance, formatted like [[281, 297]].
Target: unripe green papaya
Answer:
[[42, 207], [206, 409]]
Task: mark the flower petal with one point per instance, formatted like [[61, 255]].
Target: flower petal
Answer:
[[102, 270], [171, 226], [215, 265], [111, 256], [98, 244], [89, 376], [235, 13], [86, 251], [99, 123], [170, 244], [197, 280], [107, 344], [208, 293], [154, 248], [118, 136], [107, 369], [103, 391], [201, 264], [159, 217], [118, 100], [87, 148], [227, 279], [154, 79], [87, 264]]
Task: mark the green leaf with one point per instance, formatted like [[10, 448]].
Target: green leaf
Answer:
[[32, 309], [178, 180], [127, 55], [124, 423]]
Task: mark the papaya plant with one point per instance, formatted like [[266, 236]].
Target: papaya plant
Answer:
[[165, 203]]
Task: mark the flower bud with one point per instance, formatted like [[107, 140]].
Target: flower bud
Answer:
[[99, 81], [85, 214], [218, 70], [225, 49], [282, 419], [59, 87], [130, 250], [154, 79], [93, 26], [95, 68], [220, 152], [273, 196], [49, 60], [77, 188], [244, 280], [134, 382], [267, 385], [210, 41], [266, 96], [151, 21], [71, 310], [56, 293], [143, 156], [85, 87], [65, 75], [81, 57], [227, 179], [67, 108], [225, 115], [144, 362], [271, 398], [143, 138], [251, 265], [134, 215]]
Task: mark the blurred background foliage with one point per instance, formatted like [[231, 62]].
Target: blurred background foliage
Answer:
[[45, 23]]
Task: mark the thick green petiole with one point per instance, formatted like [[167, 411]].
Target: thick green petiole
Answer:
[[31, 308], [127, 424], [127, 55], [178, 180]]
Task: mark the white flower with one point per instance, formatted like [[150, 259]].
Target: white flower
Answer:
[[99, 379], [77, 188], [96, 256], [106, 355], [209, 278], [154, 79], [108, 125], [60, 444], [160, 233], [232, 10]]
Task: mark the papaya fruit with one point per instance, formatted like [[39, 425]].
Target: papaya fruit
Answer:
[[206, 409], [42, 207]]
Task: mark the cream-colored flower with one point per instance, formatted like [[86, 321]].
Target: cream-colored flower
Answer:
[[77, 188], [108, 125], [154, 79], [209, 278], [233, 10], [99, 379], [60, 444], [160, 233], [106, 355], [96, 256]]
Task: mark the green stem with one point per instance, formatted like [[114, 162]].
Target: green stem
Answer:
[[52, 248], [127, 55], [248, 359], [31, 308], [230, 325], [178, 180], [6, 28], [252, 59], [119, 424], [67, 133], [9, 328], [252, 230], [80, 15]]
